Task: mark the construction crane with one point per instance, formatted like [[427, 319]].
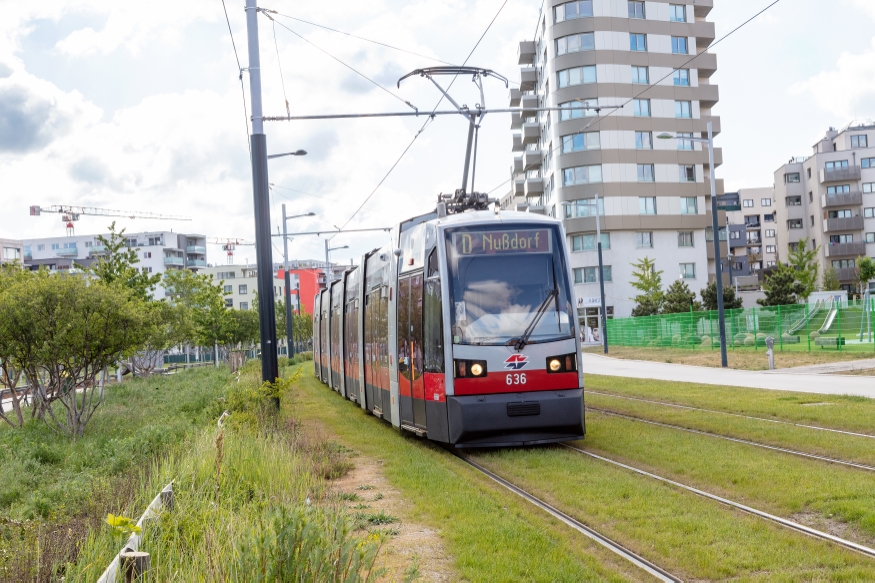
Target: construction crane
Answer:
[[70, 214], [228, 245]]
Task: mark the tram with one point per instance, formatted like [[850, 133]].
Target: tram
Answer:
[[462, 331]]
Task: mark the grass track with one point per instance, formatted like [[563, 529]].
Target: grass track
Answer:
[[492, 534]]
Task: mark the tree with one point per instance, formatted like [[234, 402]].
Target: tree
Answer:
[[804, 261], [678, 298], [166, 326], [117, 265], [730, 301], [648, 281], [10, 370], [864, 271], [831, 280], [62, 333], [782, 288], [242, 328]]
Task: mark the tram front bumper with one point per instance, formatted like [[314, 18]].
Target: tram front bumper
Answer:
[[515, 419]]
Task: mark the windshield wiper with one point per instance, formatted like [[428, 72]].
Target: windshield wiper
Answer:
[[523, 340]]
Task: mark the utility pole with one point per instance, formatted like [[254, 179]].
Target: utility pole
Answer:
[[328, 275], [288, 282], [718, 272], [604, 310], [264, 259]]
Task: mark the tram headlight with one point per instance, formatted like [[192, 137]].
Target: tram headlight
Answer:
[[470, 369], [476, 369], [562, 363]]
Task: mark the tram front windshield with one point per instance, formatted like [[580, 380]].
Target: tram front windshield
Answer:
[[501, 278]]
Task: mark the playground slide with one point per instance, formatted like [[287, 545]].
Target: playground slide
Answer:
[[830, 318], [818, 306]]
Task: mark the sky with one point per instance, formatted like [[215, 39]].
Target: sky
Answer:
[[138, 106]]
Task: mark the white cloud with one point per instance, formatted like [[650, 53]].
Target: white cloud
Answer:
[[848, 91]]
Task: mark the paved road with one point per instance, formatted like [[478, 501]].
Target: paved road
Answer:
[[780, 381], [832, 367]]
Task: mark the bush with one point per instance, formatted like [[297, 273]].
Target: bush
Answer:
[[749, 341]]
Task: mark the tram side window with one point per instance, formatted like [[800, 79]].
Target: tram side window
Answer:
[[432, 321]]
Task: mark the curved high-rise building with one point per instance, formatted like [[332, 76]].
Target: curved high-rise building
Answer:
[[650, 60]]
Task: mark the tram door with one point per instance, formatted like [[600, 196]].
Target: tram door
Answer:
[[410, 381], [372, 359]]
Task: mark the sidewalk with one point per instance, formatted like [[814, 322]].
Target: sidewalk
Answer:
[[779, 381]]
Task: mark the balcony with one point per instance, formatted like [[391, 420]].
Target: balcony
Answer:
[[707, 65], [843, 224], [528, 78], [526, 52], [518, 165], [534, 187], [517, 143], [529, 103], [196, 262], [709, 95], [847, 274], [97, 250], [704, 33], [702, 8], [843, 199], [531, 133], [846, 249], [196, 249], [519, 186], [171, 260], [67, 252], [840, 174], [531, 159], [516, 121], [515, 96]]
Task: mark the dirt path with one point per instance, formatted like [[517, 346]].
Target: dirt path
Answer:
[[412, 552]]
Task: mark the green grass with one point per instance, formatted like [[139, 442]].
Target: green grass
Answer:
[[491, 534], [691, 537], [843, 412]]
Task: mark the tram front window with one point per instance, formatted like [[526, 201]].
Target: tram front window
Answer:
[[500, 279]]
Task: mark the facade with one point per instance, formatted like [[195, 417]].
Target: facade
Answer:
[[753, 230], [310, 280], [828, 198], [241, 284], [158, 251], [11, 251], [654, 193]]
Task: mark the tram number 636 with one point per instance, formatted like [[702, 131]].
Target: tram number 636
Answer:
[[516, 379]]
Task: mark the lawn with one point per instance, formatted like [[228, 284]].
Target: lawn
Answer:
[[742, 359]]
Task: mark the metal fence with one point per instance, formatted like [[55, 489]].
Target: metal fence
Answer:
[[824, 325]]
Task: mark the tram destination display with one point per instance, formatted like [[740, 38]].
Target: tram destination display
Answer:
[[495, 242]]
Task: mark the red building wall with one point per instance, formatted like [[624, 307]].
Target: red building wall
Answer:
[[309, 284]]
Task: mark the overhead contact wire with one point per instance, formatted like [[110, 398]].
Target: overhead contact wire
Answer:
[[240, 77]]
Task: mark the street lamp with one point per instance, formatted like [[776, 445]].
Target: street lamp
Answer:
[[295, 153], [288, 278], [328, 273], [718, 268], [598, 229]]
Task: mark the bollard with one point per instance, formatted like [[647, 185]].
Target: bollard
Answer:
[[167, 497], [770, 352], [134, 565]]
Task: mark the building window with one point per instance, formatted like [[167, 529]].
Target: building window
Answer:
[[765, 202], [687, 173], [859, 141], [636, 9], [243, 289], [688, 270], [791, 178], [837, 165], [793, 201], [607, 273], [679, 45], [681, 78], [587, 242], [584, 208], [637, 42], [577, 110], [580, 142], [225, 275], [677, 12], [770, 263], [735, 235], [770, 233], [748, 203], [869, 213], [689, 205], [867, 162], [229, 289], [840, 214], [146, 269], [837, 239], [11, 253], [575, 43], [229, 302], [685, 144], [840, 189], [685, 238], [770, 218], [644, 140], [577, 76], [771, 248], [641, 107], [868, 187], [147, 255], [40, 247], [244, 305], [645, 172], [870, 237], [683, 109], [644, 240], [56, 246], [582, 175], [794, 224], [572, 10], [640, 75], [647, 205], [844, 263]]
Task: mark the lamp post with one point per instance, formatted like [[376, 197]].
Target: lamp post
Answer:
[[329, 275], [718, 268], [288, 277]]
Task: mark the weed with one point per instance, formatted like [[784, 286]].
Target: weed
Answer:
[[365, 487], [412, 573], [378, 496], [374, 519], [349, 496], [360, 506]]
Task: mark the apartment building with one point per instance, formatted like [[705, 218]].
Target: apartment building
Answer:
[[753, 229], [654, 194], [828, 198], [157, 251], [11, 251], [240, 283]]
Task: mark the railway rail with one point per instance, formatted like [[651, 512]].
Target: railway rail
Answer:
[[689, 408], [850, 545], [734, 439], [613, 546]]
